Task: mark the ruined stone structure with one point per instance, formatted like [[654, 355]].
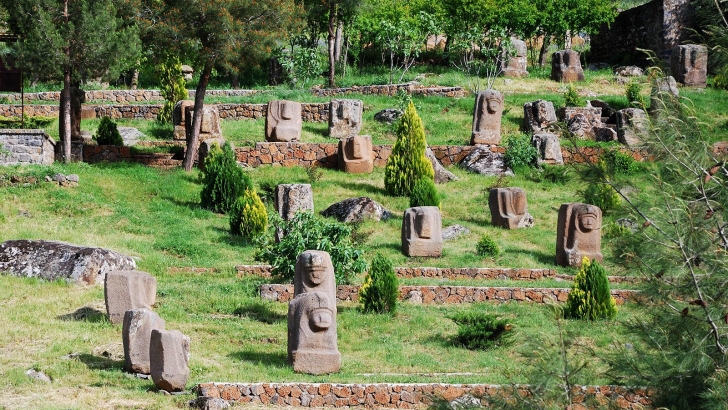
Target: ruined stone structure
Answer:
[[422, 232], [487, 118], [631, 122], [283, 121], [312, 343], [538, 115], [356, 155], [689, 64], [25, 147], [345, 118], [136, 334], [566, 66], [509, 208], [578, 234], [126, 290], [548, 147]]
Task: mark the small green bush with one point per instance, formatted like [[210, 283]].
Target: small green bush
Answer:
[[248, 216], [572, 97], [589, 297], [520, 153], [306, 231], [380, 291], [487, 247], [407, 163], [720, 80], [480, 330], [634, 98], [603, 196], [555, 174], [224, 181], [172, 87], [618, 163], [107, 133], [424, 193]]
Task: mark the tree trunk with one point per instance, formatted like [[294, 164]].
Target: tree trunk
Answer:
[[134, 79], [544, 49], [194, 140], [332, 43], [65, 108], [337, 42]]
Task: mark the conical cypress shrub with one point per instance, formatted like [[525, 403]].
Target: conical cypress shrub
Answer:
[[407, 163], [224, 180], [589, 297], [248, 216], [380, 290]]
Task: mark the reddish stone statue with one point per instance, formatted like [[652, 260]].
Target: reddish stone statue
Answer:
[[422, 232], [487, 118], [283, 121], [509, 209], [690, 64], [578, 234], [566, 67], [356, 155]]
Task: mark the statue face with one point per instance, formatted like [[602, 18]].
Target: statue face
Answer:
[[493, 105], [588, 221], [315, 267], [423, 224]]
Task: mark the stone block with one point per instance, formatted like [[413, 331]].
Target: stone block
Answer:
[[509, 208], [538, 115], [566, 67], [689, 64], [136, 335], [283, 121], [126, 290], [355, 155], [345, 118], [422, 232], [487, 118], [516, 65], [631, 124], [291, 198], [169, 356], [548, 147]]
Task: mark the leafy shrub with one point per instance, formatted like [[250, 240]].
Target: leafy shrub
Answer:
[[407, 164], [520, 154], [314, 173], [248, 216], [107, 133], [302, 65], [480, 330], [27, 122], [720, 80], [306, 231], [172, 87], [603, 196], [551, 173], [572, 97], [487, 247], [424, 193], [224, 181], [380, 290], [618, 163], [589, 297], [634, 98]]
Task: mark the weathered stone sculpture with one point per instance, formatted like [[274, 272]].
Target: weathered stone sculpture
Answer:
[[578, 234], [136, 335], [283, 121], [509, 208], [312, 343], [548, 147], [566, 66], [178, 118], [631, 123], [126, 290], [538, 115], [291, 198], [487, 118], [210, 126], [356, 155], [690, 64], [516, 66], [345, 118], [169, 356], [422, 232]]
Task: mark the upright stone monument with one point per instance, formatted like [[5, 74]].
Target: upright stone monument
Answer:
[[126, 290], [566, 66], [283, 121], [136, 334], [210, 126], [631, 123], [312, 342], [356, 155], [178, 118], [689, 64], [169, 357], [422, 232], [578, 234], [487, 118], [291, 198], [537, 115], [345, 118], [509, 208], [548, 147], [516, 65]]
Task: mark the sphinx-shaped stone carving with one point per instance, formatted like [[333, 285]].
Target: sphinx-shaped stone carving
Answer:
[[487, 118], [578, 234], [356, 155], [566, 66], [312, 343], [283, 121], [422, 232], [509, 209], [345, 118]]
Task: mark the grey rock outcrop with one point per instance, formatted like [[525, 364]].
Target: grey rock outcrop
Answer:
[[442, 175], [483, 161], [388, 115], [356, 210]]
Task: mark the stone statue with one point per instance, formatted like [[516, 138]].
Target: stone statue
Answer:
[[566, 66], [283, 121], [356, 155], [509, 209], [689, 64], [312, 343], [345, 118], [578, 234], [487, 118], [548, 147], [422, 232]]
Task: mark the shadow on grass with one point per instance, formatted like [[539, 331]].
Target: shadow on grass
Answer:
[[390, 246], [266, 359], [313, 129], [100, 362], [260, 312], [368, 188], [86, 314], [191, 205]]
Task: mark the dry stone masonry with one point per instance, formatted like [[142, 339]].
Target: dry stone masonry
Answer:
[[25, 147]]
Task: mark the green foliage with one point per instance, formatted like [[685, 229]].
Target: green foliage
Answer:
[[424, 193], [480, 331], [248, 216], [487, 247], [721, 80], [314, 174], [223, 181], [303, 65], [634, 98], [306, 231], [589, 297], [380, 291], [603, 196], [27, 123], [107, 133], [407, 163], [618, 163], [572, 97], [556, 174], [520, 153], [172, 87]]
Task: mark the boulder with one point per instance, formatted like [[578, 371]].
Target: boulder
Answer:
[[130, 135], [548, 147], [482, 160], [54, 260], [442, 175], [629, 71], [356, 210], [388, 115], [169, 356], [454, 231]]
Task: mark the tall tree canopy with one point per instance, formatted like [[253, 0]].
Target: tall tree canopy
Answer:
[[71, 41]]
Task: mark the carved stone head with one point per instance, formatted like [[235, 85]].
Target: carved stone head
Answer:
[[578, 234]]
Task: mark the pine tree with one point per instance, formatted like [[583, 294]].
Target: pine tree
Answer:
[[407, 163]]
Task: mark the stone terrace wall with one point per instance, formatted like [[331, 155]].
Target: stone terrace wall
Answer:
[[447, 294], [401, 396], [393, 89], [572, 156], [26, 147], [122, 96], [310, 112]]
